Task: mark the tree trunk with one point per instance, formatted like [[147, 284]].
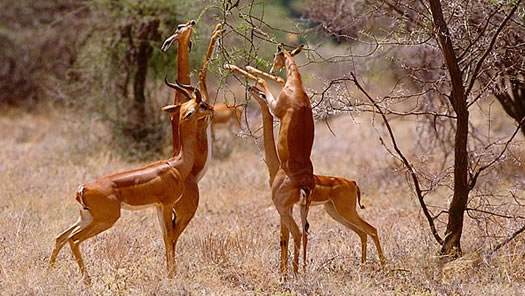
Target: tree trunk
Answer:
[[451, 245], [144, 50], [139, 99]]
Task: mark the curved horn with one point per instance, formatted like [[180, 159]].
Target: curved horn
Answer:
[[177, 87], [195, 90], [188, 87], [198, 96]]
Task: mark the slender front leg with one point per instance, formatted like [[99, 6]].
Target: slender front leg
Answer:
[[258, 72], [204, 70]]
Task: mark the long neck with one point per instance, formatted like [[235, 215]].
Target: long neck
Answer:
[[183, 68], [183, 76], [270, 153], [292, 72], [188, 131]]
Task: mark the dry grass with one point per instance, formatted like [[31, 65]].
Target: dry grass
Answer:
[[232, 245]]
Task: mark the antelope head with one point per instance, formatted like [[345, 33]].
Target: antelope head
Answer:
[[182, 35], [195, 105], [258, 94], [279, 60]]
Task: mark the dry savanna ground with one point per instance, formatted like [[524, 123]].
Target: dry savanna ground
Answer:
[[232, 245]]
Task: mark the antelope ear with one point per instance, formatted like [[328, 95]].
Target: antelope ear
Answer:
[[297, 50], [280, 47], [189, 114], [171, 108], [167, 43]]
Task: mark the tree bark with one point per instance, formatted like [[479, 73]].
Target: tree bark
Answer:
[[139, 82], [145, 32], [452, 243]]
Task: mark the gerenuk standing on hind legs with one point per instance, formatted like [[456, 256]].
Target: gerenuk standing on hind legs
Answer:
[[159, 185], [294, 181]]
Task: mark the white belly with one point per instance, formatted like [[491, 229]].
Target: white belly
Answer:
[[313, 203], [128, 207], [318, 203]]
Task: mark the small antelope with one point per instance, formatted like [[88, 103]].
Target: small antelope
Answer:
[[338, 195], [187, 205], [159, 184], [226, 114], [294, 181]]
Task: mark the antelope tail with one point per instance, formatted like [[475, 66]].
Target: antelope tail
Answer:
[[359, 197], [173, 218], [304, 194], [79, 196]]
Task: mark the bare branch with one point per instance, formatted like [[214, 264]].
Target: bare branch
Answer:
[[494, 213], [405, 162], [474, 74], [482, 31], [507, 240], [474, 177]]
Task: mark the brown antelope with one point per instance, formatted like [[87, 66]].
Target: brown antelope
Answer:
[[337, 194], [226, 114], [294, 180], [159, 184], [186, 206]]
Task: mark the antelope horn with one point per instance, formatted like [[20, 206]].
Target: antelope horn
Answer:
[[177, 87], [195, 90]]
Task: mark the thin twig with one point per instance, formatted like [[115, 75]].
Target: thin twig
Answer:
[[506, 241], [405, 161], [474, 177], [474, 74]]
